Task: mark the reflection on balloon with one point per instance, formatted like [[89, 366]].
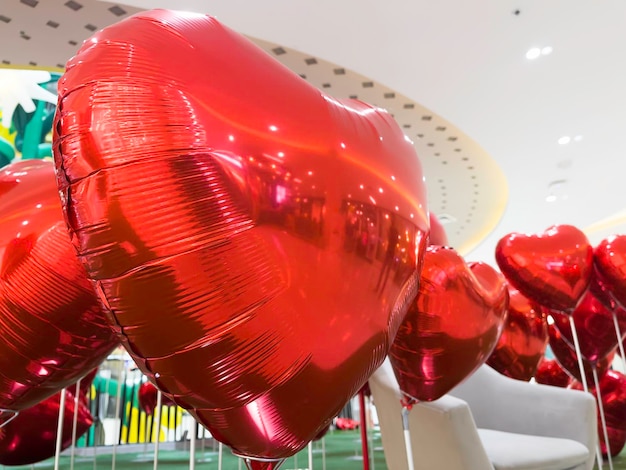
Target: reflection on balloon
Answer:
[[553, 268], [230, 220], [52, 329], [452, 327], [31, 436], [523, 340]]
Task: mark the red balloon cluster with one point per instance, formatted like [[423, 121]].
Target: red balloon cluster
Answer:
[[613, 395], [52, 328], [583, 288], [230, 219], [31, 436], [451, 328]]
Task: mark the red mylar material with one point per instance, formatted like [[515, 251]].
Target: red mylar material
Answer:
[[31, 436], [566, 357], [452, 327], [550, 372], [438, 235], [553, 268], [595, 328], [613, 393], [523, 340], [257, 241], [610, 263], [52, 330], [147, 397]]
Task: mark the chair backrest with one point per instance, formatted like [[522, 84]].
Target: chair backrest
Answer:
[[443, 433]]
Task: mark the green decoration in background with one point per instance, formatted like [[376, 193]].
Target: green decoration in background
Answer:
[[7, 152]]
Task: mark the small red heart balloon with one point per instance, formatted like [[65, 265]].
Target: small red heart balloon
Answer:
[[595, 328], [438, 235], [452, 327], [549, 372], [553, 268], [610, 264], [234, 219], [613, 394], [52, 329], [147, 397], [566, 357], [523, 340], [31, 436]]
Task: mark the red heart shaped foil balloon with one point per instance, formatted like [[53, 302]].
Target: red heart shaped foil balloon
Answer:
[[452, 327], [566, 357], [52, 329], [147, 397], [595, 328], [438, 235], [553, 268], [31, 436], [234, 219], [613, 394], [550, 372], [610, 264], [523, 340]]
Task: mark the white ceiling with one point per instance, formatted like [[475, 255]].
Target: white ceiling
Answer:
[[461, 63]]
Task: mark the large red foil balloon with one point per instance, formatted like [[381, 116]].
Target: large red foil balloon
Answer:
[[553, 268], [31, 436], [452, 327], [613, 394], [610, 265], [52, 329], [148, 397], [523, 340], [595, 328], [256, 241], [550, 372], [566, 357]]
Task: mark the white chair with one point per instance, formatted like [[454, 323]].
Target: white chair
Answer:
[[489, 422]]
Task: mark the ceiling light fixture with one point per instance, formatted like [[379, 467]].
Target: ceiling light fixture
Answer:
[[533, 53], [546, 50], [564, 140]]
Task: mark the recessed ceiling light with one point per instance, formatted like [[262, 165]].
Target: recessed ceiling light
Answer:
[[578, 138], [564, 140], [546, 50], [533, 53]]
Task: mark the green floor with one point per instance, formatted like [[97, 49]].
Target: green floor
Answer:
[[343, 452]]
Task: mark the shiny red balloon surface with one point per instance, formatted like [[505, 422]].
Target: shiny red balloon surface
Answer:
[[613, 394], [595, 328], [610, 264], [452, 327], [257, 241], [52, 330], [566, 357], [523, 340], [31, 436], [147, 396], [550, 372], [553, 268], [438, 235]]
